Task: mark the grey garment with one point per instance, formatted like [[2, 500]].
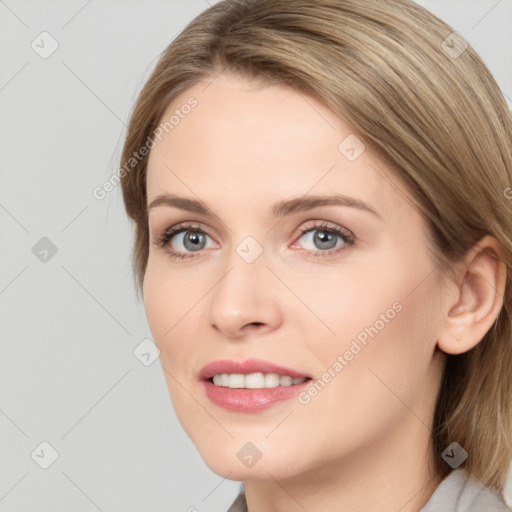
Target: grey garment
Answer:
[[456, 493], [239, 505]]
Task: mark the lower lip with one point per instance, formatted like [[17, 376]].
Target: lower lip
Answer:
[[251, 400]]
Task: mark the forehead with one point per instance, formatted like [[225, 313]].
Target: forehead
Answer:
[[247, 140], [250, 119]]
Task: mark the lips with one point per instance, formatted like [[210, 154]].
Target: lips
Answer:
[[246, 367]]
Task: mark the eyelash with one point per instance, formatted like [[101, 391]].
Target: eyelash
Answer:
[[346, 236]]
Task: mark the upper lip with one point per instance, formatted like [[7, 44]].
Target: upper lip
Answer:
[[245, 367]]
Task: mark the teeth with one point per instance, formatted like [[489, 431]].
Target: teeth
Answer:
[[271, 380], [255, 380], [236, 380], [285, 381]]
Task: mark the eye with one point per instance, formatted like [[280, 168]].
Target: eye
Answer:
[[325, 239], [183, 240]]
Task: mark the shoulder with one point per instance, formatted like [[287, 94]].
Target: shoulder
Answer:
[[460, 493]]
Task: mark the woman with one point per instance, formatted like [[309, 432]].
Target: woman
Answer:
[[322, 209]]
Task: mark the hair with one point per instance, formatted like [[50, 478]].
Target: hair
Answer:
[[430, 108]]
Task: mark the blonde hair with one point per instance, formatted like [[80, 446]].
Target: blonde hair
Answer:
[[427, 105]]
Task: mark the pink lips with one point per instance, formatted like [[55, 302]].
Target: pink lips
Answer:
[[249, 400]]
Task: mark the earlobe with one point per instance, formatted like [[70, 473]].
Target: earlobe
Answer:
[[476, 301], [458, 334]]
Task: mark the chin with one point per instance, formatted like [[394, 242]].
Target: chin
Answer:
[[243, 461], [260, 471]]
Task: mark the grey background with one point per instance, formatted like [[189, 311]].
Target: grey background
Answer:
[[68, 375]]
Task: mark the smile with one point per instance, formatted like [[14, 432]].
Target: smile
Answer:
[[257, 380]]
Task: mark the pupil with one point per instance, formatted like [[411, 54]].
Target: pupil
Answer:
[[323, 238], [192, 240]]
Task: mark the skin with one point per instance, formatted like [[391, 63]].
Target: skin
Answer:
[[244, 147]]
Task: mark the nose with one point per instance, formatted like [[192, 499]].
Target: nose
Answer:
[[244, 300]]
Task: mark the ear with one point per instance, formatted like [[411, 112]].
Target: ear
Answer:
[[475, 300]]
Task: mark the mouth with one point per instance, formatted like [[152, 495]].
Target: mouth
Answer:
[[249, 373], [251, 385]]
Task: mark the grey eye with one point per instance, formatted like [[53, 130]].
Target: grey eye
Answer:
[[189, 241]]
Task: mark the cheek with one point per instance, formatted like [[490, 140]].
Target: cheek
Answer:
[[338, 304], [175, 302], [383, 325], [168, 294], [166, 304], [157, 295], [386, 343]]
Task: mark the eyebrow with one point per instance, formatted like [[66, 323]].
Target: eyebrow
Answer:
[[280, 209]]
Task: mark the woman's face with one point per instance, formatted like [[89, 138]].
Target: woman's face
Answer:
[[344, 293]]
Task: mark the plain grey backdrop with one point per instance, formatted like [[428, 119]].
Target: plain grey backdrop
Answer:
[[70, 322]]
